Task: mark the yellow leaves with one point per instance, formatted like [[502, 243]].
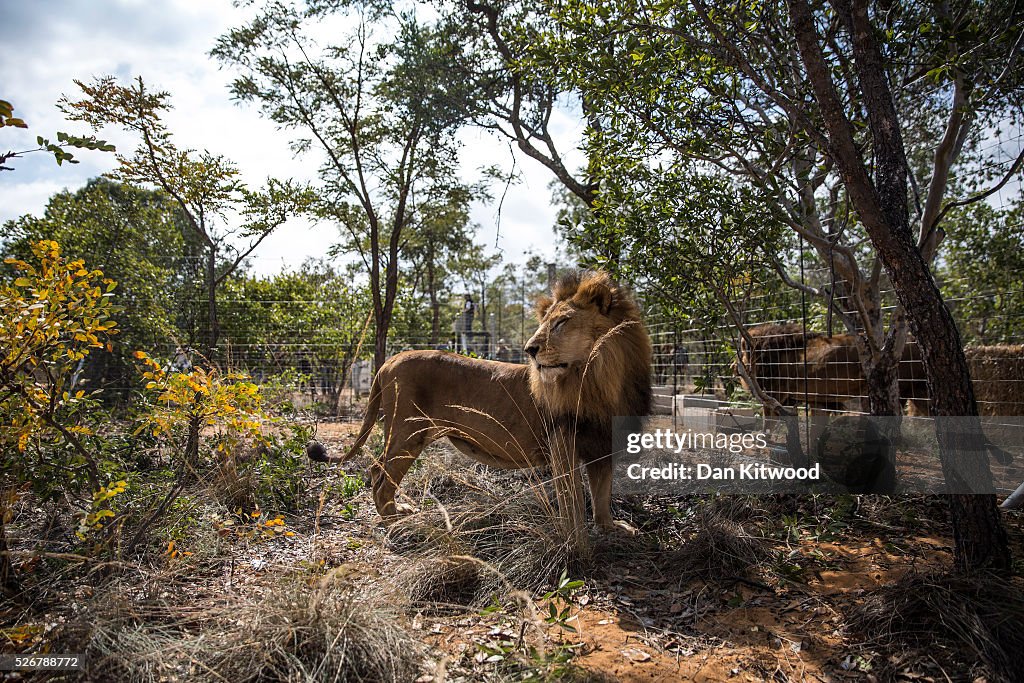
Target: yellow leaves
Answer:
[[93, 520], [47, 320], [22, 634], [275, 527], [254, 525], [173, 552], [227, 401], [49, 314], [46, 249], [108, 492], [196, 386]]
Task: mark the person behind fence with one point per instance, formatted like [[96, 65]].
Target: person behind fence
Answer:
[[680, 361], [504, 353], [181, 361], [465, 324]]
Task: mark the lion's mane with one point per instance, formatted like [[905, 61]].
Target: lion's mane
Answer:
[[616, 380]]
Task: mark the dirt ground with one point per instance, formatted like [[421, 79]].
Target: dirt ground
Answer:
[[637, 625], [711, 589]]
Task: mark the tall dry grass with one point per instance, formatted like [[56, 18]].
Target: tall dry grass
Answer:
[[332, 631]]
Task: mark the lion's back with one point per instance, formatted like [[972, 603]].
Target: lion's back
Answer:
[[454, 389], [447, 365]]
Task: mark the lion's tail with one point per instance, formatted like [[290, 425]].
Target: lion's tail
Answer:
[[370, 419]]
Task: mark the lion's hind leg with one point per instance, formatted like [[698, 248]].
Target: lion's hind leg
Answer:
[[386, 475], [402, 447]]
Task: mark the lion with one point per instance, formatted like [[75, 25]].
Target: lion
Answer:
[[589, 361], [778, 360], [831, 365]]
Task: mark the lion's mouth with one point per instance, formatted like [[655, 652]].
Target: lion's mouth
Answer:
[[560, 366]]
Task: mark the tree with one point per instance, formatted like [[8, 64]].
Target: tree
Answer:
[[981, 268], [881, 203], [53, 313], [137, 238], [204, 186], [442, 233], [381, 113], [510, 97], [705, 93], [795, 105], [310, 320]]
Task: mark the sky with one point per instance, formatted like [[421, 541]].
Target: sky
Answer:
[[50, 43]]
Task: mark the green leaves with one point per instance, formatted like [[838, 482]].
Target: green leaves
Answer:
[[60, 154], [205, 186], [560, 602]]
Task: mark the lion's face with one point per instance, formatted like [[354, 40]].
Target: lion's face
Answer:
[[564, 340], [591, 355]]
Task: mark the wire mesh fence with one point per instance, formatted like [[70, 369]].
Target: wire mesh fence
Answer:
[[797, 359], [800, 362]]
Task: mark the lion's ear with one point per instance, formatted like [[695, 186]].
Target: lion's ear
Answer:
[[543, 304], [595, 292]]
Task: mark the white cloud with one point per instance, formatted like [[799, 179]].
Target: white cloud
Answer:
[[167, 44]]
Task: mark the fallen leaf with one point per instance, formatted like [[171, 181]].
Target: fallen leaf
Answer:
[[635, 655]]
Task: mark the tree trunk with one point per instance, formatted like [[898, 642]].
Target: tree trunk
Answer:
[[881, 385], [435, 305], [213, 326], [384, 306], [881, 204]]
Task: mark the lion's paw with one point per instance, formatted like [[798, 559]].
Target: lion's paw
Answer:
[[404, 509], [395, 510], [620, 527]]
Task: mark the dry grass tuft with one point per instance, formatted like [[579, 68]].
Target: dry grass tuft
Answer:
[[446, 584], [972, 621], [516, 537], [720, 550], [331, 632], [505, 519]]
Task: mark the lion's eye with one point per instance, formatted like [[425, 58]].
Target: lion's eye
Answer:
[[557, 325]]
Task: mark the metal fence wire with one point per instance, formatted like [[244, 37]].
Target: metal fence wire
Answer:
[[795, 359]]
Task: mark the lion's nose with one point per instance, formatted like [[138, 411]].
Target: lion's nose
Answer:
[[532, 349]]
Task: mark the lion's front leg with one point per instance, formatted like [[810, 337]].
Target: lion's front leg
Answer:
[[569, 491], [599, 472]]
